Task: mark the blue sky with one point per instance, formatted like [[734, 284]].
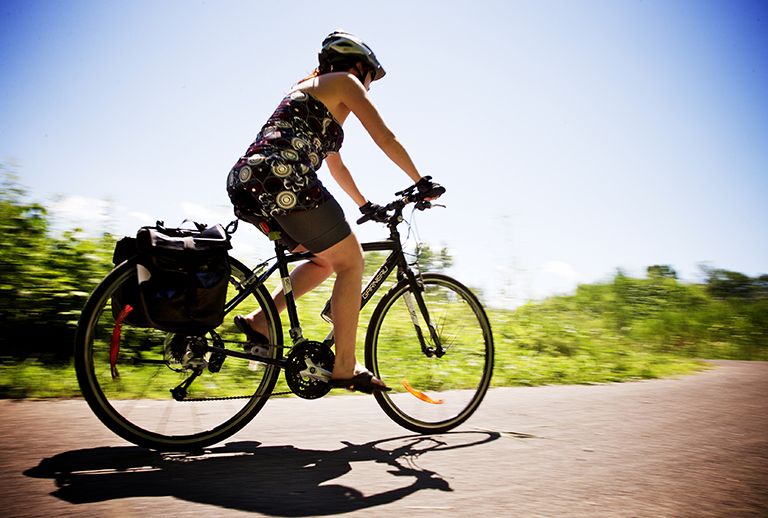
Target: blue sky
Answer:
[[575, 137]]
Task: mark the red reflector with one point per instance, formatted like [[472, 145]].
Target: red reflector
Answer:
[[114, 350]]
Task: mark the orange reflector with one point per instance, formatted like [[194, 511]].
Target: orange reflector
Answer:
[[421, 395]]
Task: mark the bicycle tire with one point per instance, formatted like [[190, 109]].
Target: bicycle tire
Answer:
[[137, 405], [439, 394]]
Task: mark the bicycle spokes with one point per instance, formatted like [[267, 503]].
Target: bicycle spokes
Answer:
[[157, 389], [439, 383]]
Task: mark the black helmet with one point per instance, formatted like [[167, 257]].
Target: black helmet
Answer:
[[341, 49]]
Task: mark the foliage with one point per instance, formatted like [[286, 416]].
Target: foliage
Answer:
[[662, 270], [658, 314], [433, 261], [728, 285], [44, 280], [626, 328]]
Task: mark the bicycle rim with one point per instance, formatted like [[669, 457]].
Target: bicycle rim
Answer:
[[129, 389], [431, 394]]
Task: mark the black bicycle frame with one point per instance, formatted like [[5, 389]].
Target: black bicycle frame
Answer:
[[394, 261]]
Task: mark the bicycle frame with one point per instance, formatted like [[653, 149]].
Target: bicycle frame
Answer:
[[394, 261]]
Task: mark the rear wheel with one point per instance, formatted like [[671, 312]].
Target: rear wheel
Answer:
[[129, 375], [437, 385]]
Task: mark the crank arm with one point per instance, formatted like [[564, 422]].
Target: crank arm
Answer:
[[315, 371]]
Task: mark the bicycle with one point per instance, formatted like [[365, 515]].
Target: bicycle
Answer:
[[428, 338]]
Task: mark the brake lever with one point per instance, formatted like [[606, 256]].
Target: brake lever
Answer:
[[426, 204]]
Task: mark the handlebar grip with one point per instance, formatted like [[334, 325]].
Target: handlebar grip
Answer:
[[363, 219]]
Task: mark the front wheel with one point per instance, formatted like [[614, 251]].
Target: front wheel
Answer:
[[167, 391], [437, 356]]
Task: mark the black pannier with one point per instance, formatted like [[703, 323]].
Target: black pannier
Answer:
[[182, 278]]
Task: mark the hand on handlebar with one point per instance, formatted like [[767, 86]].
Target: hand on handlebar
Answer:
[[372, 211], [420, 193], [429, 190]]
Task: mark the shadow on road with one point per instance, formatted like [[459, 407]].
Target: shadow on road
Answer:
[[277, 480]]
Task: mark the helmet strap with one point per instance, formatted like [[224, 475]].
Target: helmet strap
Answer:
[[354, 69], [361, 74]]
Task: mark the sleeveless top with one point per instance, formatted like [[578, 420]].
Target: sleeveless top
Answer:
[[278, 173]]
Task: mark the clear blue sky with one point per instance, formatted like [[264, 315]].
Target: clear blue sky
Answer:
[[575, 137]]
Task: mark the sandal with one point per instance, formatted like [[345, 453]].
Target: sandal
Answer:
[[362, 382], [253, 336], [258, 344]]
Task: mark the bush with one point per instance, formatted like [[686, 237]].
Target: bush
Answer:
[[657, 314], [44, 280]]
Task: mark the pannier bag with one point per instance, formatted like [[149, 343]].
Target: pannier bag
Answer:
[[181, 278]]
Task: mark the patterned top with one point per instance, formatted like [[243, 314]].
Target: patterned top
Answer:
[[278, 173]]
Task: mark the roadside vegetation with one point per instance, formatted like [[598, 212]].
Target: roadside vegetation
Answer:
[[623, 329]]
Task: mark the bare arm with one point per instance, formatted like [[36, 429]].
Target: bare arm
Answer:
[[356, 98], [344, 178]]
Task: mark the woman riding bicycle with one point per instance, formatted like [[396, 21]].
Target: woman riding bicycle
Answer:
[[275, 184]]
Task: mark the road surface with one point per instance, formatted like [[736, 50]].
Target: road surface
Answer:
[[691, 446]]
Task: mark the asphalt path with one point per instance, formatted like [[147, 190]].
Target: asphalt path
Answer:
[[690, 446]]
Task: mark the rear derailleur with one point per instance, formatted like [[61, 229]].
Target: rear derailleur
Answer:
[[186, 353]]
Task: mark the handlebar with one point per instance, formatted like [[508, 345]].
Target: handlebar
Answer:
[[405, 197]]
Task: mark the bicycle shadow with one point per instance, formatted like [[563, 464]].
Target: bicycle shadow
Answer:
[[276, 480]]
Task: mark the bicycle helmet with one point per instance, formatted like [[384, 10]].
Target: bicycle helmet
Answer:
[[342, 50]]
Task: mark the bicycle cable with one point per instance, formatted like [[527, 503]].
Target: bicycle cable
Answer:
[[413, 229]]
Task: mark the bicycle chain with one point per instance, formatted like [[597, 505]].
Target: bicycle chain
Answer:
[[190, 400], [226, 398]]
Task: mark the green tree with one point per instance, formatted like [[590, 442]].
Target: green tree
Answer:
[[44, 280], [725, 284], [661, 270], [433, 261]]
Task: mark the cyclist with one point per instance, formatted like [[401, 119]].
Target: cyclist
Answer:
[[275, 187]]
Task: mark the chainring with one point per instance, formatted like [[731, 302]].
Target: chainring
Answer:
[[308, 369]]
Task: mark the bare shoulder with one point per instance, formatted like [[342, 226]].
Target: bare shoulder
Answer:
[[337, 90], [338, 78], [337, 82]]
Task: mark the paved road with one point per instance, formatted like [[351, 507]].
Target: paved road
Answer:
[[692, 446]]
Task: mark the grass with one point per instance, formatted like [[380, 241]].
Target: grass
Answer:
[[514, 366], [565, 340], [32, 379]]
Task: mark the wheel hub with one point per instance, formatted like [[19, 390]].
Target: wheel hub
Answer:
[[184, 352]]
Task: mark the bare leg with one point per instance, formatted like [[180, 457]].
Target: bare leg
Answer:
[[305, 277], [346, 260]]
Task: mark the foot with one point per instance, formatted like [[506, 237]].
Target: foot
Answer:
[[363, 381], [258, 343], [253, 336]]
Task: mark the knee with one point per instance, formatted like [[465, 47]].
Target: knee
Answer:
[[345, 257], [350, 262], [322, 265]]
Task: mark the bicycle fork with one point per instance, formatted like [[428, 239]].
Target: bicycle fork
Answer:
[[414, 301]]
